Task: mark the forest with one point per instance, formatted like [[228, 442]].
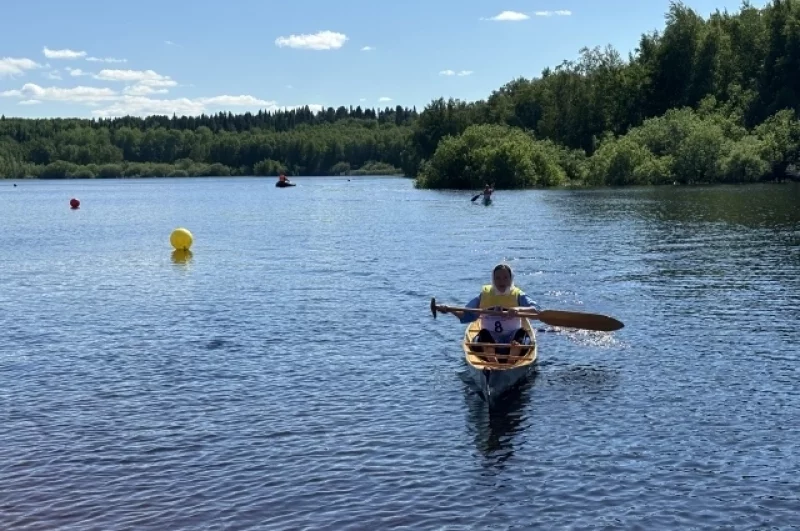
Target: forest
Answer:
[[703, 100], [297, 142]]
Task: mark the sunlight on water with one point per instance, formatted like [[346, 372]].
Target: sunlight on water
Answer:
[[287, 373]]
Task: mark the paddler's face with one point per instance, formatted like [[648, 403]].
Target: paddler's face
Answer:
[[502, 280]]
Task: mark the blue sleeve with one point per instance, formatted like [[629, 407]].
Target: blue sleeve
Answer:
[[525, 302], [469, 317]]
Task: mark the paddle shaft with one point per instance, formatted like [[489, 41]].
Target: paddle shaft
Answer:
[[587, 321], [479, 311]]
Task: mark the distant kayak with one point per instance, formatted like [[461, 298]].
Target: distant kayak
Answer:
[[487, 200], [283, 184]]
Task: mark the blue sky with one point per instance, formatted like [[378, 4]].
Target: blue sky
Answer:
[[90, 58]]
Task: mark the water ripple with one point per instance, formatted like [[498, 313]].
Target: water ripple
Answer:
[[290, 375]]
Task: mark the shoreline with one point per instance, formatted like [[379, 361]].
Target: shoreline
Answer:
[[572, 186]]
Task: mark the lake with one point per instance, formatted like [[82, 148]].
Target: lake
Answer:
[[289, 375]]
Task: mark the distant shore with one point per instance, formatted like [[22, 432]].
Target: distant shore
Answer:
[[135, 170]]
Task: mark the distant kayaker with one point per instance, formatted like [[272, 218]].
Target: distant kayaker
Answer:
[[501, 293], [282, 178], [487, 192]]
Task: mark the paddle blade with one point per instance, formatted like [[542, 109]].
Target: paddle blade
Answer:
[[433, 307], [586, 321], [476, 197]]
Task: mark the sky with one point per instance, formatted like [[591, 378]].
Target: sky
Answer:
[[87, 58]]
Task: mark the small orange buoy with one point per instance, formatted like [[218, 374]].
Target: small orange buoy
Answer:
[[74, 204]]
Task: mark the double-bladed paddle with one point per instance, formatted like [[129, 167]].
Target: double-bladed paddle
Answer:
[[562, 318]]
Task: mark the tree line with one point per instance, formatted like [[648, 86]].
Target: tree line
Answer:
[[703, 100], [134, 147]]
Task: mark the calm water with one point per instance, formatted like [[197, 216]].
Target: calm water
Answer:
[[289, 375]]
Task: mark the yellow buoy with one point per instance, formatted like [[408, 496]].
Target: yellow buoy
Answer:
[[181, 239]]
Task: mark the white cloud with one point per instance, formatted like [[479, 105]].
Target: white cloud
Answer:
[[235, 101], [135, 101], [76, 72], [460, 73], [143, 106], [289, 87], [127, 75], [62, 54], [560, 12], [362, 99], [31, 91], [168, 82], [10, 66], [509, 16], [106, 60], [384, 99], [323, 40], [141, 77], [169, 43], [53, 74], [367, 49], [143, 90]]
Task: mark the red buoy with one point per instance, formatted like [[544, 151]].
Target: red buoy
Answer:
[[74, 203]]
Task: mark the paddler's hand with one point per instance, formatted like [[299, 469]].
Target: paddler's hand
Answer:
[[454, 312]]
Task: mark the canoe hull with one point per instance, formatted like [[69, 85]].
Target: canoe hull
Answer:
[[487, 201], [492, 378], [283, 185], [493, 384]]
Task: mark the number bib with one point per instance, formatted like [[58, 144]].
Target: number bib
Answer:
[[501, 327]]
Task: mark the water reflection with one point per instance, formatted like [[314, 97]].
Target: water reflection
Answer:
[[751, 207], [755, 206], [181, 256], [497, 428]]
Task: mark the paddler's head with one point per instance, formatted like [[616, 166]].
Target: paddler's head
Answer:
[[502, 278]]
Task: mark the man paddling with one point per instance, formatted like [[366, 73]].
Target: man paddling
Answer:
[[486, 193], [500, 294]]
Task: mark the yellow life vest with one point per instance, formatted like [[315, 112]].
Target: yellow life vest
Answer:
[[501, 328], [490, 299]]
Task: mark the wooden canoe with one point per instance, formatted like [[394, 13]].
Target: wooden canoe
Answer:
[[494, 373]]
